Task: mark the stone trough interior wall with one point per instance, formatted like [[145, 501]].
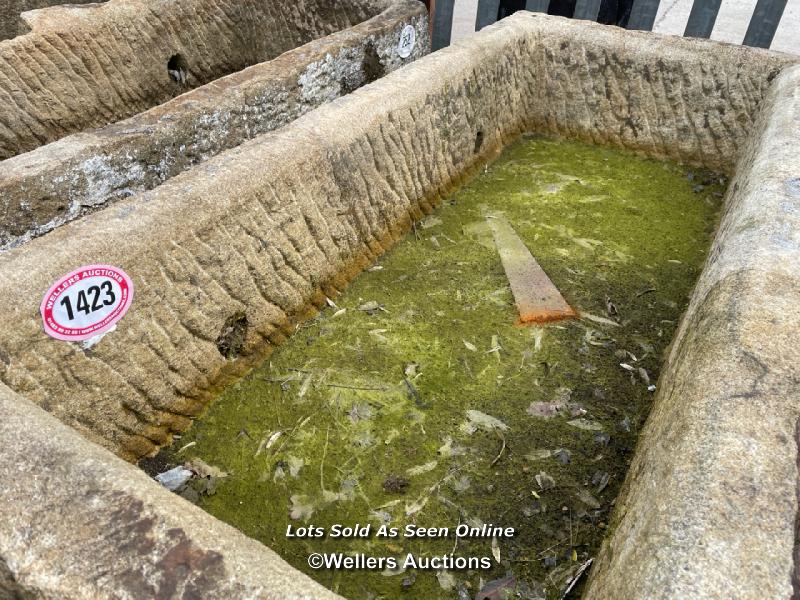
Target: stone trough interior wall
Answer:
[[710, 506], [87, 66]]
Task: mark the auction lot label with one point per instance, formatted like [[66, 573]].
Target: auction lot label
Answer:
[[86, 302], [408, 39]]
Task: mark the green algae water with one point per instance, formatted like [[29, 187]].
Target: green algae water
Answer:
[[416, 400]]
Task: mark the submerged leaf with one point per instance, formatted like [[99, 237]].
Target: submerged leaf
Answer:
[[446, 579], [586, 424], [301, 508], [478, 420], [419, 470]]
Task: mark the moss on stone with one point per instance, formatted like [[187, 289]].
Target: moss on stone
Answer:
[[377, 387]]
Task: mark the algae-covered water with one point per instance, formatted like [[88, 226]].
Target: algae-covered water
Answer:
[[416, 399]]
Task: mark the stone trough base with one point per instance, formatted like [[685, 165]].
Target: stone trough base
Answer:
[[266, 230]]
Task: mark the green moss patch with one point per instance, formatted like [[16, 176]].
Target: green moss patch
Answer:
[[415, 398]]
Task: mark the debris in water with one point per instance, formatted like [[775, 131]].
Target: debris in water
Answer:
[[585, 497], [537, 299], [410, 370], [600, 480], [175, 478], [611, 308], [429, 222], [420, 469], [540, 454], [446, 579], [574, 579], [494, 589], [201, 469], [295, 464], [462, 484], [563, 456], [378, 334], [408, 580], [301, 508], [586, 424], [372, 307], [495, 548], [396, 484], [545, 481], [267, 443], [478, 420], [600, 320]]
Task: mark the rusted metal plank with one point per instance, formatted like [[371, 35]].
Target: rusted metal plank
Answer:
[[537, 299]]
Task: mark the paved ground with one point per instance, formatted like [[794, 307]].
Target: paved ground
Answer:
[[731, 25]]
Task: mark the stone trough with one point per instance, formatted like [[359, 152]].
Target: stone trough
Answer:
[[59, 181], [260, 234]]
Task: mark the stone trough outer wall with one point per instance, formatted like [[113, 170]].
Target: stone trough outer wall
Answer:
[[267, 229], [85, 66], [80, 524], [44, 188]]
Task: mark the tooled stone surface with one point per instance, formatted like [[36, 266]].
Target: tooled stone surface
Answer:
[[268, 228], [42, 189], [668, 97], [90, 65], [710, 505], [78, 523]]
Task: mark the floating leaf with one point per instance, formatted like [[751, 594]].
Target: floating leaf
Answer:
[[586, 424], [419, 470], [587, 498], [446, 579], [202, 469], [429, 222], [495, 548], [295, 464], [545, 481], [478, 420], [540, 454], [301, 508], [601, 320]]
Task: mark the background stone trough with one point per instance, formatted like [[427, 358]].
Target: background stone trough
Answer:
[[44, 188], [266, 229]]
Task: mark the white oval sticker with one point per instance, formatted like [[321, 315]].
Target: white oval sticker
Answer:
[[408, 39], [87, 302]]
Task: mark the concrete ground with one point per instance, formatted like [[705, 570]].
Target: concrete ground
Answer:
[[731, 25]]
